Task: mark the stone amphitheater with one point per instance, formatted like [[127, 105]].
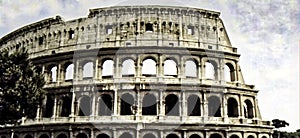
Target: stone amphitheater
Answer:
[[138, 72]]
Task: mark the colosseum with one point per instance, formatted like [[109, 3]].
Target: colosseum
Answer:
[[138, 72]]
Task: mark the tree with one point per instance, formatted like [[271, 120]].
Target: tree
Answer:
[[21, 86], [278, 124]]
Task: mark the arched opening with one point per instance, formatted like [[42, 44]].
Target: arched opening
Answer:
[[210, 70], [248, 109], [190, 69], [81, 135], [232, 108], [215, 136], [69, 72], [103, 136], [128, 68], [44, 136], [170, 68], [195, 136], [15, 136], [250, 136], [214, 106], [88, 70], [234, 136], [149, 67], [172, 136], [62, 136], [127, 102], [53, 74], [126, 135], [194, 105], [49, 106], [228, 72], [28, 136], [149, 105], [66, 106], [263, 137], [105, 105], [149, 135], [108, 68], [85, 106], [171, 105]]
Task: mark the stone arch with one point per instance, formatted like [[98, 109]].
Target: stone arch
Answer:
[[127, 102], [172, 136], [191, 69], [229, 72], [214, 106], [66, 106], [44, 136], [215, 135], [126, 135], [103, 135], [211, 70], [105, 105], [248, 109], [172, 105], [170, 67], [81, 135], [62, 135], [107, 68], [149, 67], [232, 107], [69, 71], [194, 136], [128, 67], [149, 105], [85, 106], [87, 69], [149, 135], [194, 105]]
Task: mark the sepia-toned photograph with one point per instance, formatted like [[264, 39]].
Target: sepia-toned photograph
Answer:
[[149, 69]]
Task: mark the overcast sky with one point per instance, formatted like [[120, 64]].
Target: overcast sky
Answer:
[[266, 33]]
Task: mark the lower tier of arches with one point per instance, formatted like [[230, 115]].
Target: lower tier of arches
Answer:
[[135, 130]]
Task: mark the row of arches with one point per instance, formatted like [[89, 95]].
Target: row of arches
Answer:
[[129, 135], [149, 68], [150, 105]]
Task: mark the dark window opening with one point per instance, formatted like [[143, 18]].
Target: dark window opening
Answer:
[[71, 34], [149, 105], [105, 105], [191, 30], [109, 29], [41, 40], [66, 107], [81, 135], [172, 136], [149, 27], [232, 108], [172, 105], [215, 136], [194, 106], [126, 135], [195, 136], [44, 136], [214, 106], [127, 101], [248, 108], [49, 106], [103, 136], [85, 106], [62, 136]]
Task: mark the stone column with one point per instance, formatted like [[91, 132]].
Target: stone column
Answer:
[[73, 103], [96, 69], [205, 105], [115, 111], [54, 108], [225, 115], [183, 104], [242, 114], [202, 68], [161, 105]]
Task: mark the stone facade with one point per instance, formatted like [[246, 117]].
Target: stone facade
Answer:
[[138, 71]]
